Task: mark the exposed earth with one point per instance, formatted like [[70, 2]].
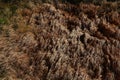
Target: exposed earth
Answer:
[[70, 42]]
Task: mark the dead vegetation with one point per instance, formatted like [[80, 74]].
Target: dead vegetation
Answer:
[[73, 42]]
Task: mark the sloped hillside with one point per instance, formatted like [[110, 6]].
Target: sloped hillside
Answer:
[[70, 42]]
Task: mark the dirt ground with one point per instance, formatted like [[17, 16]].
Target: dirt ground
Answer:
[[70, 42]]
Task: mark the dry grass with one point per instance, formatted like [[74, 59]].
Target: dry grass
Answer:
[[71, 42]]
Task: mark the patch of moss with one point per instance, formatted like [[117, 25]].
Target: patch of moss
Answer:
[[3, 20]]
